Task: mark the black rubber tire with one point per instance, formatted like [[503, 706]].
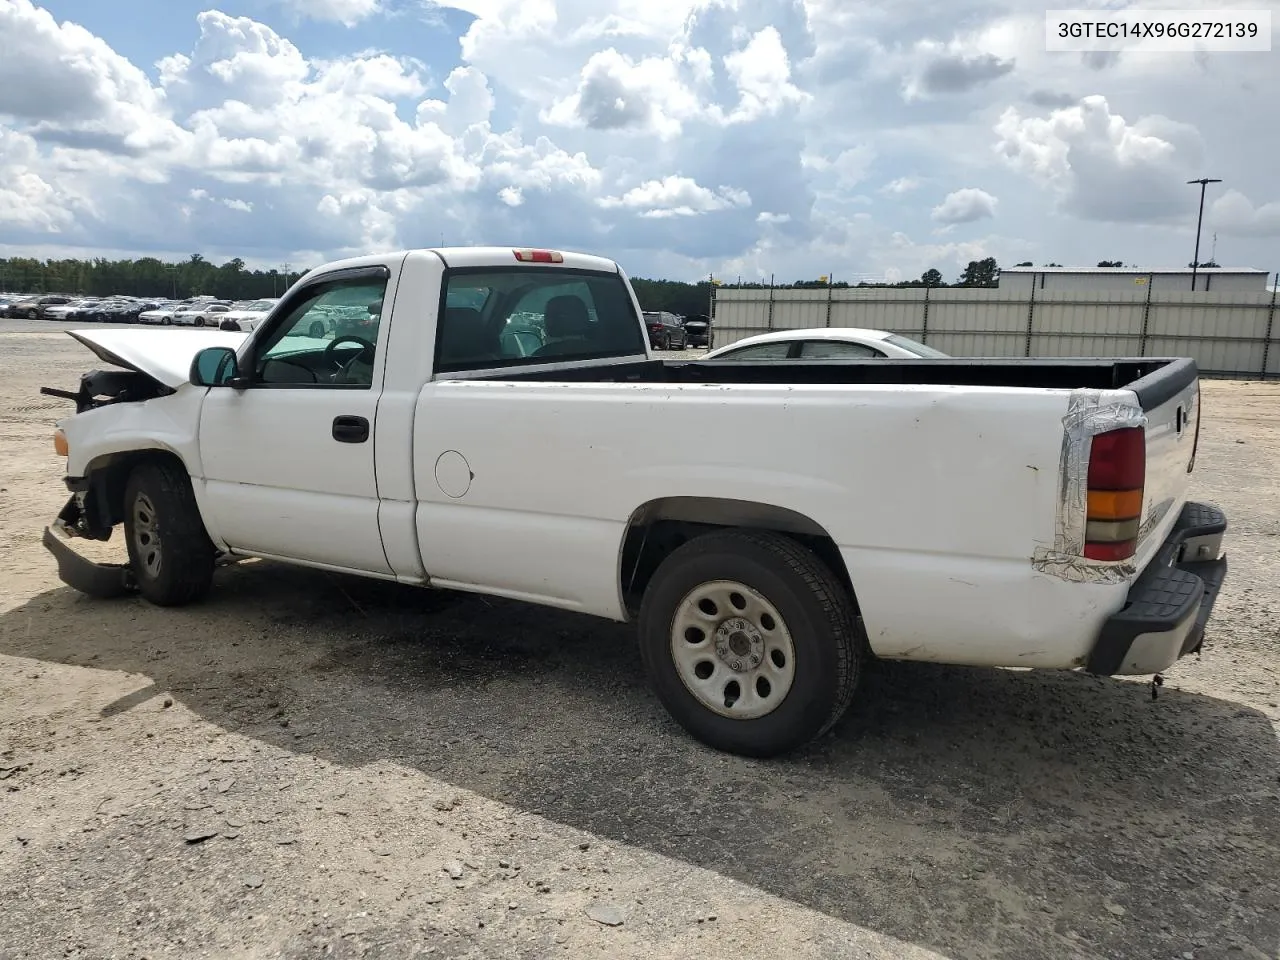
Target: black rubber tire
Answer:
[[33, 314], [819, 613], [316, 330], [186, 552]]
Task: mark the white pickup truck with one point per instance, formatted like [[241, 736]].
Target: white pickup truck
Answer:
[[498, 425]]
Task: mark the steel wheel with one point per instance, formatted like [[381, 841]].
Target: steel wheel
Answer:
[[732, 650], [146, 538]]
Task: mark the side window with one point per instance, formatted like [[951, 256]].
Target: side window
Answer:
[[508, 317], [327, 338], [836, 350], [758, 351]]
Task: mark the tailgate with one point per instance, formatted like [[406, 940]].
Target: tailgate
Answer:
[[1170, 399]]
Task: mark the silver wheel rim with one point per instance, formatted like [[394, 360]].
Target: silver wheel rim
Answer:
[[146, 538], [732, 650]]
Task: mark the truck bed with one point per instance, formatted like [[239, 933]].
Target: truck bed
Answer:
[[1153, 379]]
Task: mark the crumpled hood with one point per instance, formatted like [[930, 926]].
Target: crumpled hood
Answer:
[[165, 355]]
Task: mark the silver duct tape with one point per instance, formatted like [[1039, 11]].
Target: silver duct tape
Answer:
[[1079, 569], [1089, 413]]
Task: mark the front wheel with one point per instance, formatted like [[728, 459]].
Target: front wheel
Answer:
[[170, 553], [316, 330], [33, 315], [750, 641]]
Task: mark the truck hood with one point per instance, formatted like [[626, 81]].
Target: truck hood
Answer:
[[164, 355]]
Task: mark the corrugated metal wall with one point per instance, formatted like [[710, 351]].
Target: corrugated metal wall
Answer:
[[1232, 334]]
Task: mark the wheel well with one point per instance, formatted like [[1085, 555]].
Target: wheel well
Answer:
[[107, 476], [661, 526]]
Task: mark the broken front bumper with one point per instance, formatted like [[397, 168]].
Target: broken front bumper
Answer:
[[102, 580], [1169, 604]]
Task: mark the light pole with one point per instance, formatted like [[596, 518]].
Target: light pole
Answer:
[[1195, 263]]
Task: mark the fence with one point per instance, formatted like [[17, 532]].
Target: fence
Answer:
[[1228, 334]]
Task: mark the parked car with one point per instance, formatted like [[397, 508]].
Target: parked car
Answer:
[[37, 308], [77, 311], [8, 299], [246, 314], [71, 310], [995, 512], [698, 330], [666, 331], [120, 310], [162, 313], [201, 314], [824, 343]]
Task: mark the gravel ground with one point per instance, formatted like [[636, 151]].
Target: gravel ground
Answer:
[[309, 765]]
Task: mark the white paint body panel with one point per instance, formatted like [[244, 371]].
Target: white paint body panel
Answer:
[[163, 354], [936, 496]]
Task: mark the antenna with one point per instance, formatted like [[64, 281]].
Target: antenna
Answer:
[[1213, 253]]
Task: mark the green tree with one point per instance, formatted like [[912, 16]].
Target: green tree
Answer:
[[980, 273]]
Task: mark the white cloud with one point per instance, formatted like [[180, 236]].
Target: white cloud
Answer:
[[901, 185], [762, 72], [676, 197], [1100, 166], [851, 166], [615, 93], [965, 206], [27, 201], [346, 12], [608, 124], [1234, 214]]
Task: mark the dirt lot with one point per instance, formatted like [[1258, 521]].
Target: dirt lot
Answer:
[[307, 765]]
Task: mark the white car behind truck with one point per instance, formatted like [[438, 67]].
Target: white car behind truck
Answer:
[[1024, 513]]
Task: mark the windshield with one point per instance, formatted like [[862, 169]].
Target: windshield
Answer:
[[919, 349]]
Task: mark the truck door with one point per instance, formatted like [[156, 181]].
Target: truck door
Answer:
[[288, 456]]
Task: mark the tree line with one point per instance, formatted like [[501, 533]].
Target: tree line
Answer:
[[150, 277]]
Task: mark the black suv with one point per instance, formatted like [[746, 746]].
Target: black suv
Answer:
[[665, 330]]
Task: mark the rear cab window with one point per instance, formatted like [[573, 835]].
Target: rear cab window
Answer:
[[495, 317]]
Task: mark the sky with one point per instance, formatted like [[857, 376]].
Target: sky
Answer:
[[784, 138]]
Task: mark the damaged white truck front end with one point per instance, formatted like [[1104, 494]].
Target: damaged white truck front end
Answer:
[[144, 408]]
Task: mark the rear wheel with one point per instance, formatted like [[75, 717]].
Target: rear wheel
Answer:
[[316, 330], [170, 553], [750, 641]]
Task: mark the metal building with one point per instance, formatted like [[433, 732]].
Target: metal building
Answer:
[[1085, 279]]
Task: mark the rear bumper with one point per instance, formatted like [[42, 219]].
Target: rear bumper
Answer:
[[1169, 605]]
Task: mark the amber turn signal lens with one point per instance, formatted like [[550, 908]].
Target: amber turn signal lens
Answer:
[[1114, 504], [60, 443]]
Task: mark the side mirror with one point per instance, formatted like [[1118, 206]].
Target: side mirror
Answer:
[[215, 367]]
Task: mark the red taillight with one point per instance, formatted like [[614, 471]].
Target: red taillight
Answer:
[[1117, 476], [539, 256]]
